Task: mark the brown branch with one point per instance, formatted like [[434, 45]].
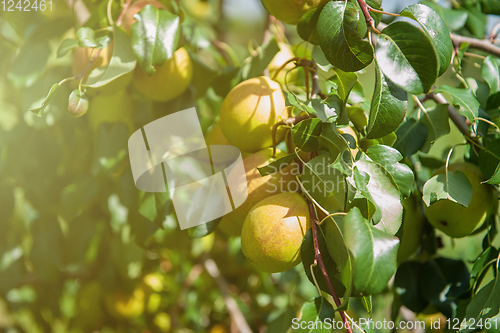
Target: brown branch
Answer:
[[459, 120], [366, 13], [319, 260], [480, 44], [231, 305], [124, 10]]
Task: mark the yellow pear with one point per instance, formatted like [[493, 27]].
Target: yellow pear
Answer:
[[273, 231], [454, 219], [413, 225], [123, 306], [290, 11], [215, 136], [279, 59], [110, 109], [170, 79], [259, 187], [250, 111]]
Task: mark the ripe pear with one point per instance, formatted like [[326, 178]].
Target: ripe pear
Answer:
[[290, 11], [136, 7], [111, 109], [250, 111], [259, 187], [454, 219], [83, 55], [170, 79], [123, 306], [273, 231], [215, 136], [413, 226], [279, 59]]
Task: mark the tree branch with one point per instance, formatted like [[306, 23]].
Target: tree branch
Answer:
[[124, 10], [458, 120], [319, 260], [231, 305], [480, 44]]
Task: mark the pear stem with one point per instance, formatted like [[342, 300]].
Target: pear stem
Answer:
[[319, 260]]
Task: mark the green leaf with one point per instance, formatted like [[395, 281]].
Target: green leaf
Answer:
[[436, 120], [374, 253], [456, 188], [259, 62], [388, 158], [490, 71], [495, 178], [388, 107], [281, 324], [313, 311], [154, 37], [490, 7], [476, 19], [29, 64], [324, 184], [406, 283], [204, 229], [332, 140], [307, 26], [437, 31], [66, 45], [407, 57], [277, 165], [489, 161], [307, 254], [379, 188], [305, 134], [441, 281], [78, 103], [339, 39], [122, 62], [336, 246], [292, 100], [411, 137], [345, 82], [38, 111], [464, 99], [86, 37], [455, 18], [327, 111], [486, 303]]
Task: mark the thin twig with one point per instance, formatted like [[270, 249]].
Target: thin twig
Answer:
[[480, 44], [231, 305], [366, 12], [319, 260], [124, 10]]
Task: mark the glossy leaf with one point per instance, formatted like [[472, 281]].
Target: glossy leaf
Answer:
[[315, 310], [407, 57], [154, 37], [436, 120], [86, 38], [388, 107], [378, 187], [305, 134], [374, 253], [437, 31], [456, 187], [122, 62], [38, 111], [388, 158], [464, 99], [411, 137], [307, 26], [345, 82], [339, 38], [277, 165]]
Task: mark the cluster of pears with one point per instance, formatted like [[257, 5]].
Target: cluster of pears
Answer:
[[169, 81], [274, 219]]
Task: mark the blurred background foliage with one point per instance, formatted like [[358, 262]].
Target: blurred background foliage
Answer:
[[81, 249]]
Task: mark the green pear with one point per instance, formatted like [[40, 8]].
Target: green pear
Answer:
[[413, 226], [170, 79], [456, 220], [110, 109], [273, 231], [250, 111], [290, 11], [259, 187]]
